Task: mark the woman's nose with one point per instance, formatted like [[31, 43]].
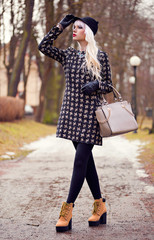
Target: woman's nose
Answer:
[[74, 30]]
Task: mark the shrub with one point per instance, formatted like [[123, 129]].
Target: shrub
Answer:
[[11, 108]]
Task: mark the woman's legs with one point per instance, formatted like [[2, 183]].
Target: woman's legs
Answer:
[[92, 178], [84, 167], [82, 155]]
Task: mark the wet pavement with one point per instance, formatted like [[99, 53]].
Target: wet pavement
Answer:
[[32, 190]]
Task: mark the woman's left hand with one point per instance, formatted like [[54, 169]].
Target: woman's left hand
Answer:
[[90, 87]]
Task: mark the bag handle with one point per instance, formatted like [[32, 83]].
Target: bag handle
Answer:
[[117, 96], [116, 93]]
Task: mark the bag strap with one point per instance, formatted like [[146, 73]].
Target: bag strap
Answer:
[[117, 95]]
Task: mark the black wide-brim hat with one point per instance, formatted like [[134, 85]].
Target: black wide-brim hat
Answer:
[[91, 22]]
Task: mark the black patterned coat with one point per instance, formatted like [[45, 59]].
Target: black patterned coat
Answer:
[[77, 120]]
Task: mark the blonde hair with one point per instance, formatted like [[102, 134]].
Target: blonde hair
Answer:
[[91, 62]]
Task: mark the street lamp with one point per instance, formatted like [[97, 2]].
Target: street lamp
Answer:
[[132, 82], [135, 62]]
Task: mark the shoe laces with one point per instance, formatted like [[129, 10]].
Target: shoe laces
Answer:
[[96, 208], [64, 210]]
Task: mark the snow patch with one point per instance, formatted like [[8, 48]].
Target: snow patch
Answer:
[[118, 148]]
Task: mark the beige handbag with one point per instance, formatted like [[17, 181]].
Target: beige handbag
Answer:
[[115, 118]]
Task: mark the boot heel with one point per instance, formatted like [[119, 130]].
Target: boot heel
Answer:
[[66, 228], [70, 224], [103, 218]]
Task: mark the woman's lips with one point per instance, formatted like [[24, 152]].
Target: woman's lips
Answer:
[[74, 35]]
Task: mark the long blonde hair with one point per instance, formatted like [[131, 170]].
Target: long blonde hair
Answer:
[[91, 62]]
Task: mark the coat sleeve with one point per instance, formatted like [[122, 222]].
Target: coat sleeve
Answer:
[[105, 74], [46, 45]]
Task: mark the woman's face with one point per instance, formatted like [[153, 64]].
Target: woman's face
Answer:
[[79, 31]]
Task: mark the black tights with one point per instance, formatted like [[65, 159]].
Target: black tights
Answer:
[[84, 167]]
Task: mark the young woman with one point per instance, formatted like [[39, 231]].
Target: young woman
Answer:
[[87, 74]]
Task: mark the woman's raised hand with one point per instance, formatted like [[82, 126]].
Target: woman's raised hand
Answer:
[[67, 20]]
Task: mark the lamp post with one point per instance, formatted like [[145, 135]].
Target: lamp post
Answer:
[[135, 62], [132, 82]]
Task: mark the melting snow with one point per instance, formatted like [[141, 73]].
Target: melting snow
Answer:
[[115, 147]]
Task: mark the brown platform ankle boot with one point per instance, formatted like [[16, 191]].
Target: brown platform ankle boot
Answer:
[[65, 218], [99, 213]]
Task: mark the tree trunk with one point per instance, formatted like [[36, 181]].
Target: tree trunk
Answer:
[[152, 129], [49, 10], [19, 63], [52, 97]]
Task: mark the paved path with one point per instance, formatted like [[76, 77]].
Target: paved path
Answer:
[[32, 191]]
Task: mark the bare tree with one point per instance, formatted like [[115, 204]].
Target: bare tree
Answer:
[[19, 63], [12, 45], [15, 28], [47, 66]]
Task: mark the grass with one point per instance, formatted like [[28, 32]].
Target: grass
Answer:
[[14, 135], [147, 155]]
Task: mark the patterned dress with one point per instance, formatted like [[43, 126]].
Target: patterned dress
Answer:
[[77, 120]]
